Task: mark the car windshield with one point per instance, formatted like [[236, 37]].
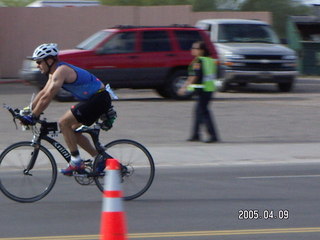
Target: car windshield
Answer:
[[93, 40], [246, 33]]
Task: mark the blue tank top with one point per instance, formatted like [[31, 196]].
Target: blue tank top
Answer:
[[85, 85]]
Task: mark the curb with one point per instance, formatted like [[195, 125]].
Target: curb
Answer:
[[8, 81]]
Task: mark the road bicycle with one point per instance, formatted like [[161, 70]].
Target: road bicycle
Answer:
[[28, 170]]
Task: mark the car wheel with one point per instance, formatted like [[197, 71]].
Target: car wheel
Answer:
[[176, 81], [285, 87], [162, 92], [64, 96], [221, 85]]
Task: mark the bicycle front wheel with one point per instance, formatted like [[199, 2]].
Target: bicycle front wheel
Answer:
[[27, 173], [137, 167]]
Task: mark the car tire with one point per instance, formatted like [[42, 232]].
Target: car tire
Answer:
[[286, 86], [174, 83], [162, 92], [222, 86]]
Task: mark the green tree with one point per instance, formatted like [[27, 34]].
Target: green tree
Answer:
[[280, 10], [145, 2], [204, 5], [15, 3], [168, 2], [228, 4]]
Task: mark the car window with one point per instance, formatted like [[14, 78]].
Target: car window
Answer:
[[155, 41], [246, 33], [92, 41], [123, 42], [187, 38]]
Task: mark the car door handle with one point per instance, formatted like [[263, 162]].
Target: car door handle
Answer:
[[133, 57], [171, 55]]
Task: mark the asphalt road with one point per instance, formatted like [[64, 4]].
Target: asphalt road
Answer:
[[266, 162], [185, 201]]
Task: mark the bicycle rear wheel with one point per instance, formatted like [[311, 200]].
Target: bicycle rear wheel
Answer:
[[137, 167], [21, 185]]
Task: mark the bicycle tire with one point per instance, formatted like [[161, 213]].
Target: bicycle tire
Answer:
[[137, 165], [21, 187]]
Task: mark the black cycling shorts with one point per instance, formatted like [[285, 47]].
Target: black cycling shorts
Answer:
[[87, 112]]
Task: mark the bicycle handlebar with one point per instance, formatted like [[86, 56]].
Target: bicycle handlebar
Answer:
[[16, 114]]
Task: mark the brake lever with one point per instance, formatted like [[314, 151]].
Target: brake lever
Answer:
[[15, 123], [13, 113]]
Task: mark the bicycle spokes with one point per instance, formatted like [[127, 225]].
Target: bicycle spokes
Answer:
[[137, 167], [24, 178]]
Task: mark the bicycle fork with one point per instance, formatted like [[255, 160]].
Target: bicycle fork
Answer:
[[32, 161], [33, 155]]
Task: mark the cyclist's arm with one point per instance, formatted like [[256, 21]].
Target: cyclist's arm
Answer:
[[38, 96], [45, 96]]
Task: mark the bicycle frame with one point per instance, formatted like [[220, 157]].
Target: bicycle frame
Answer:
[[36, 141], [44, 131], [59, 147]]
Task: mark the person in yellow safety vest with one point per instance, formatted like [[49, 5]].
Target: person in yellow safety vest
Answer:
[[202, 75]]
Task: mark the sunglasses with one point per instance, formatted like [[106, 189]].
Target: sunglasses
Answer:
[[39, 62]]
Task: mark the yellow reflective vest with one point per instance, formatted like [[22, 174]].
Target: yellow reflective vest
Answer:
[[209, 72]]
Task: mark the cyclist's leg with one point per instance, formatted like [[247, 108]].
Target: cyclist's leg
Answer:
[[66, 123], [87, 113], [85, 144]]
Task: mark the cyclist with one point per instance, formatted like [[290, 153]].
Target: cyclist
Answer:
[[95, 100]]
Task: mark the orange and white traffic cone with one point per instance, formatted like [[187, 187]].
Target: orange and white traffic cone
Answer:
[[113, 226]]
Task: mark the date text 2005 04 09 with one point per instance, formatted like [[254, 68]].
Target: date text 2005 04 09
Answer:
[[254, 214]]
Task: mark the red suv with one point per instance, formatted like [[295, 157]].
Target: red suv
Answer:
[[134, 57]]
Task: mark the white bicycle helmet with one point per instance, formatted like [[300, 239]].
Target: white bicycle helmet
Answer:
[[45, 50]]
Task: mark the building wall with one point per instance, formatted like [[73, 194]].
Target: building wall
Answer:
[[23, 29]]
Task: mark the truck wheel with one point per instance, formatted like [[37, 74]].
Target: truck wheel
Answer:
[[174, 83], [285, 87], [222, 86]]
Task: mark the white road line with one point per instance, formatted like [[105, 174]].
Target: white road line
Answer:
[[284, 176]]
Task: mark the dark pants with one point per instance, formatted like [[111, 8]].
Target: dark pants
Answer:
[[203, 116]]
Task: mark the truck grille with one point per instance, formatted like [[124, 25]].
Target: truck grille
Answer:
[[264, 67], [266, 57], [262, 63]]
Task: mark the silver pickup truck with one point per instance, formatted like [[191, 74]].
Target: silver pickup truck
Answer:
[[250, 52]]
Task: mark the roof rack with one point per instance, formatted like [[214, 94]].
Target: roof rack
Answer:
[[168, 26]]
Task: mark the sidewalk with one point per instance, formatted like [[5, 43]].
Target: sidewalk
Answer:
[[224, 154], [227, 154]]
